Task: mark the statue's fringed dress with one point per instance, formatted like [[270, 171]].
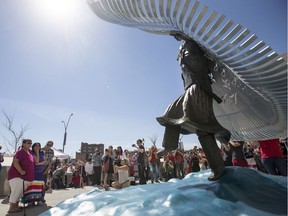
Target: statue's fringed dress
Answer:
[[193, 110]]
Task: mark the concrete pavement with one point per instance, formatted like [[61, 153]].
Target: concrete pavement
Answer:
[[52, 199]]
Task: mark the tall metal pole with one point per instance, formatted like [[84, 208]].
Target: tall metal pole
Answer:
[[65, 132]]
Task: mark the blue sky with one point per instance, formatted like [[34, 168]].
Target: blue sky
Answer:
[[57, 58]]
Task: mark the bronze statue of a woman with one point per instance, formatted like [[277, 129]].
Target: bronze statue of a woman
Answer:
[[193, 111]]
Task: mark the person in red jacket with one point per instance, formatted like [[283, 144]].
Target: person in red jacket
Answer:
[[77, 180], [153, 160], [179, 159], [272, 157]]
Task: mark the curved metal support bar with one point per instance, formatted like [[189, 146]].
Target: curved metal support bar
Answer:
[[251, 77]]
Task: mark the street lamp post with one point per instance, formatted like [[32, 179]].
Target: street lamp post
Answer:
[[65, 132]]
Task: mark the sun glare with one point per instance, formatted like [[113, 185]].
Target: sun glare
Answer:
[[57, 11]]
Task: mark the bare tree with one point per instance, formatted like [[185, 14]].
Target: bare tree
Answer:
[[14, 142], [153, 139]]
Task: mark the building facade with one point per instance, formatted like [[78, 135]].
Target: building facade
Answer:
[[87, 150]]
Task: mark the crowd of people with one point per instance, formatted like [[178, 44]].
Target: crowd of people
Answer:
[[35, 168]]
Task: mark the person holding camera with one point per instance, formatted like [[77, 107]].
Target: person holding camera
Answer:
[[123, 174], [140, 161], [97, 167]]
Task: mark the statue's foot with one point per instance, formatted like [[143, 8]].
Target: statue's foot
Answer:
[[216, 173], [162, 152]]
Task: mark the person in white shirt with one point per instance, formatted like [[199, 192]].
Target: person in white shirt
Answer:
[[89, 171]]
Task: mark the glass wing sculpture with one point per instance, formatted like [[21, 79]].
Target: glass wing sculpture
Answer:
[[250, 77]]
